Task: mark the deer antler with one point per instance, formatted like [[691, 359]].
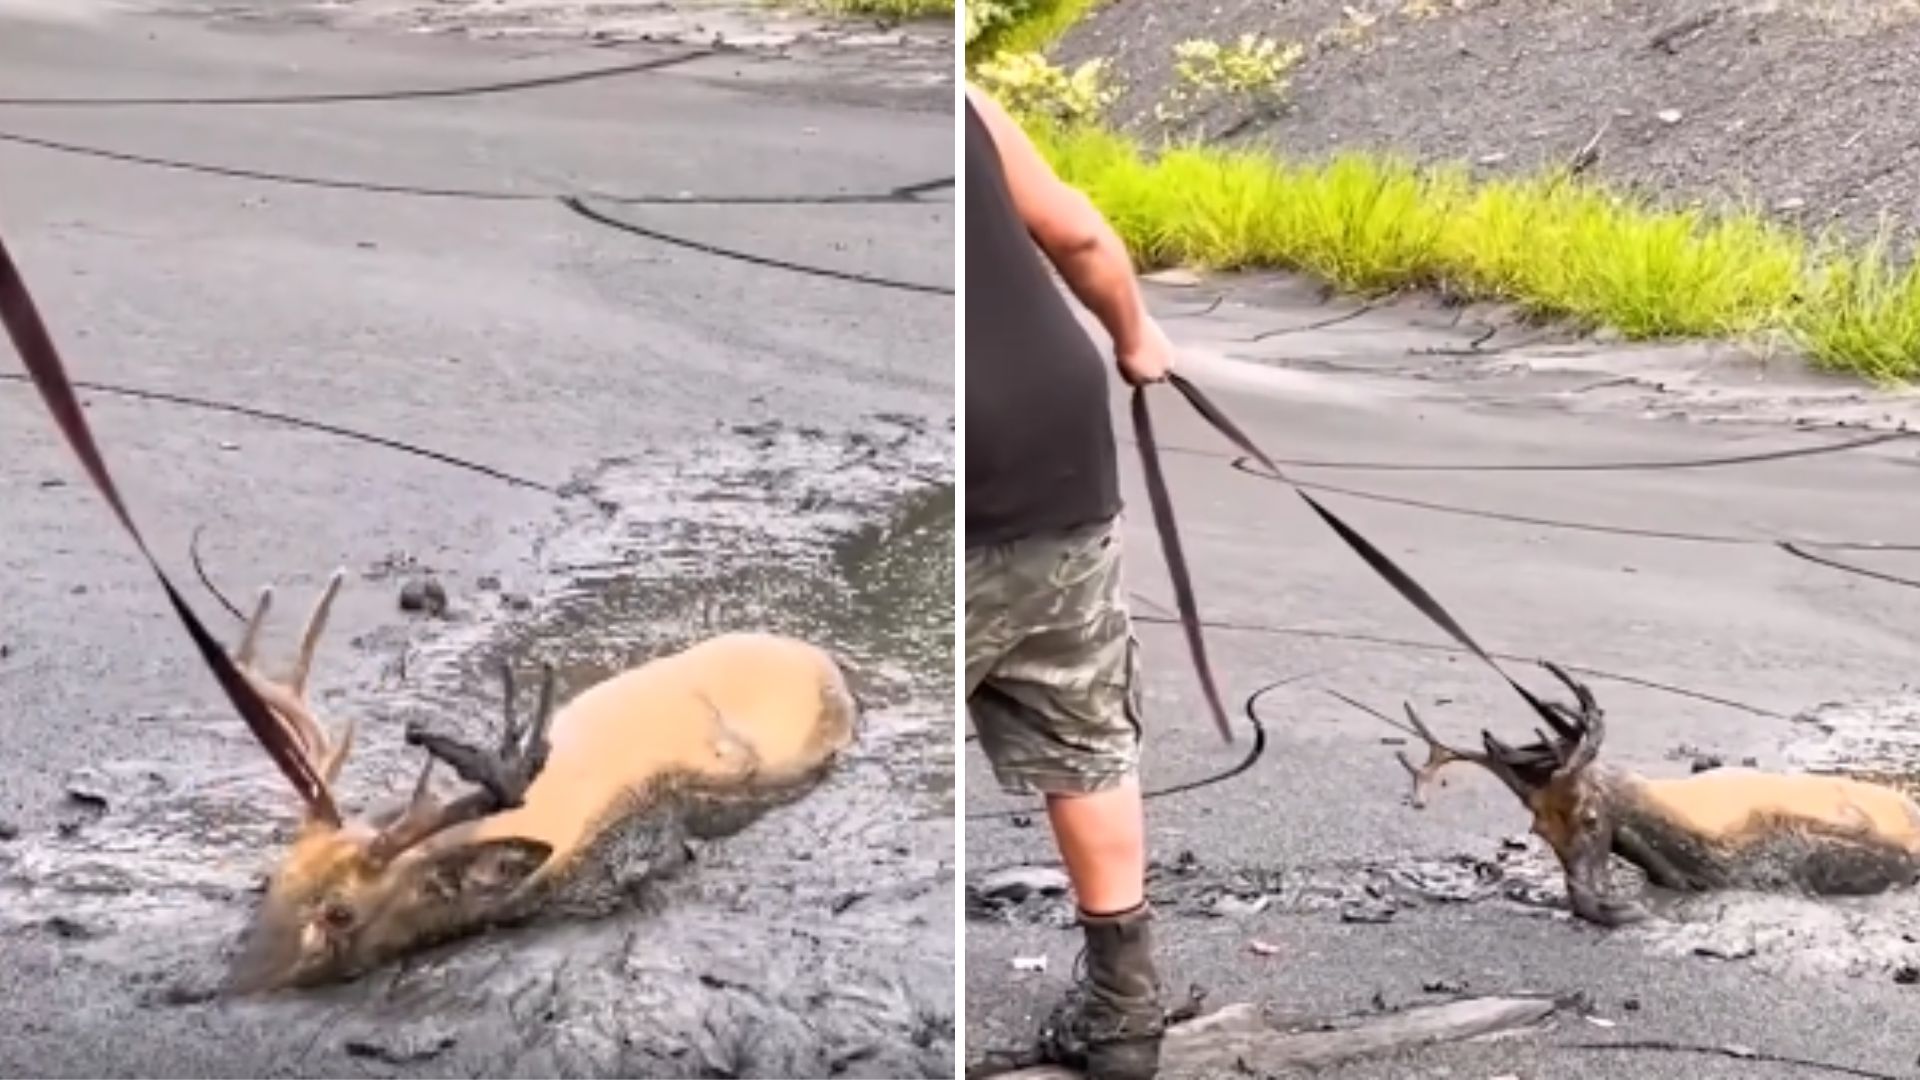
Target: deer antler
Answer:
[[1439, 754], [424, 816], [288, 700], [501, 778], [1586, 730], [506, 773]]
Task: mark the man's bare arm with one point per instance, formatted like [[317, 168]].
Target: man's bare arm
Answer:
[[1082, 246]]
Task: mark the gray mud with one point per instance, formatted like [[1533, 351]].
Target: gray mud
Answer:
[[815, 942], [846, 59], [1302, 880]]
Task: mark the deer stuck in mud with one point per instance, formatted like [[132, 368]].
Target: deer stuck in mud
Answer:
[[712, 735], [1724, 828]]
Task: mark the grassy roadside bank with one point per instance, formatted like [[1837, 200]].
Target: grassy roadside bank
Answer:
[[1559, 246], [994, 27], [887, 9]]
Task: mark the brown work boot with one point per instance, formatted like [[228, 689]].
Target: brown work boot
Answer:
[[1112, 1021]]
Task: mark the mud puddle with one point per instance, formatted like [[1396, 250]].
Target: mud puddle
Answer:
[[1874, 740], [912, 54], [1871, 937], [817, 942]]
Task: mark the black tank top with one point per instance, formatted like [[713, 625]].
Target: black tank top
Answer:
[[1040, 448]]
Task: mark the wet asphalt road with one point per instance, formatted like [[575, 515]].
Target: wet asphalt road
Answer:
[[1286, 863], [511, 333]]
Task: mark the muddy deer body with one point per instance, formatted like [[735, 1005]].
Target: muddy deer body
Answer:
[[1720, 829], [707, 739]]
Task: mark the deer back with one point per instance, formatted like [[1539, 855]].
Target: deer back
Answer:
[[1726, 805], [733, 714], [737, 708]]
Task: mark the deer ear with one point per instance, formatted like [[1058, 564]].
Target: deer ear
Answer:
[[488, 869]]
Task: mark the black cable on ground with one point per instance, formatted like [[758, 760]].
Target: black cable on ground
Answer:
[[509, 86], [1248, 761], [1738, 1053], [1260, 733], [1846, 568], [1318, 324], [914, 191], [585, 211], [1713, 461], [189, 401], [1428, 646], [206, 582], [905, 195], [1199, 314], [1473, 348], [1246, 466]]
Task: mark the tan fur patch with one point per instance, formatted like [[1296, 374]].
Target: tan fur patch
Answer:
[[1556, 816], [1723, 805]]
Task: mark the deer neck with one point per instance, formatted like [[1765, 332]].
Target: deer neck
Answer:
[[1660, 828]]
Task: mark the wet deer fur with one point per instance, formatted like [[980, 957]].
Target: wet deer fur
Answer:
[[727, 727], [1719, 829]]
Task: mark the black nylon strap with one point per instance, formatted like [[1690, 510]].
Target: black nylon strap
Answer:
[[1157, 495], [44, 365], [1163, 523]]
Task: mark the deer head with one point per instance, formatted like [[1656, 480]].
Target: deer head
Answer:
[[349, 894], [1555, 777]]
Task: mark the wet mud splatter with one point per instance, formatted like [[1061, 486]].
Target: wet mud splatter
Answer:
[[1874, 740], [1870, 937], [817, 942]]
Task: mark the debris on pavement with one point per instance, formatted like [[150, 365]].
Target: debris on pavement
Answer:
[[1016, 883], [1725, 950], [401, 1047], [85, 790], [1240, 1039], [1368, 912], [1030, 963], [71, 929], [1229, 906], [425, 595]]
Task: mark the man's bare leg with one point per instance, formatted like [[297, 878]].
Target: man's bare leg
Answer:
[[1057, 715], [1102, 839]]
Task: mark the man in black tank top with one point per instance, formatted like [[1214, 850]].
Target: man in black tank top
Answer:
[[1052, 664]]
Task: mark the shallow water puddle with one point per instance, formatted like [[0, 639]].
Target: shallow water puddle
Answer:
[[816, 942]]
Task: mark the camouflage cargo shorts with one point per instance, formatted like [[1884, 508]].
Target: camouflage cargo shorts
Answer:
[[1052, 663]]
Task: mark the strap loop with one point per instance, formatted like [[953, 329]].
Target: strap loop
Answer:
[[1162, 504]]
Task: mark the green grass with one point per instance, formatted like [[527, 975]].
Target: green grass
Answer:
[[1565, 249], [1862, 314], [1038, 25], [891, 9]]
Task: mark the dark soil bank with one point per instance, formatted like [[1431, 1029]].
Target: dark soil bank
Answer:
[[1812, 110]]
